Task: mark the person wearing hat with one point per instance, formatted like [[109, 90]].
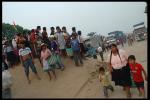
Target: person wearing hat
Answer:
[[45, 56], [27, 61]]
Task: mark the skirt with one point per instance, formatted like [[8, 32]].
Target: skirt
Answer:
[[122, 77]]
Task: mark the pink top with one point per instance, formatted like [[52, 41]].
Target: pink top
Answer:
[[45, 54], [115, 60]]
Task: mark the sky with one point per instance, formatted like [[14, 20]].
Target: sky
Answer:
[[100, 17]]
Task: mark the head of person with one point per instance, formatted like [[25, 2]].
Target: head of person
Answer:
[[43, 46], [101, 70], [52, 29], [32, 31], [74, 36], [22, 45], [64, 29], [73, 29], [44, 29], [38, 28], [79, 32], [131, 59], [114, 48], [58, 29]]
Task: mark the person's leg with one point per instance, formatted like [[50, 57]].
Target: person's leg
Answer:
[[59, 62], [142, 91], [101, 55], [33, 69], [105, 91], [26, 68], [127, 89], [49, 75], [75, 58], [111, 88], [79, 57], [53, 71]]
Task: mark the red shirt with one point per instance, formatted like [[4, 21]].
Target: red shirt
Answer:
[[137, 72]]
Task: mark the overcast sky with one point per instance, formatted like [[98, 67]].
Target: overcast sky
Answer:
[[101, 17]]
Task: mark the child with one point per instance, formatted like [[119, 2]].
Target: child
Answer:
[[136, 70], [45, 55], [26, 59], [104, 79], [55, 51], [76, 50]]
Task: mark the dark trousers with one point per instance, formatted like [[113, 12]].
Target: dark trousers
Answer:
[[77, 56], [105, 89]]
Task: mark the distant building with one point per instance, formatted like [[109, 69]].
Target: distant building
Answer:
[[139, 31]]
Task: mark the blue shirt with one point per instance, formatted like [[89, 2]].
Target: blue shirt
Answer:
[[75, 45]]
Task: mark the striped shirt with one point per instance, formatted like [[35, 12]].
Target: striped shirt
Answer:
[[25, 51]]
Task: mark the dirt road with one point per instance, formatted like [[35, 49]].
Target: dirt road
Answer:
[[73, 82]]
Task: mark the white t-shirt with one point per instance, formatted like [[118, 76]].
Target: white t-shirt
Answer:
[[80, 39], [116, 62], [99, 49], [25, 51]]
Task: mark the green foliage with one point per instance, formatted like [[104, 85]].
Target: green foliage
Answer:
[[9, 30]]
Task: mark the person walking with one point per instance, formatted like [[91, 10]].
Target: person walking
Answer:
[[100, 51], [45, 55], [27, 61], [117, 61]]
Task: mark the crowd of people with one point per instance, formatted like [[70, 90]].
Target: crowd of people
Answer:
[[60, 44], [49, 50]]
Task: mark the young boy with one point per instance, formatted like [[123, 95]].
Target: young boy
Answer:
[[104, 79], [136, 70], [76, 50], [26, 59]]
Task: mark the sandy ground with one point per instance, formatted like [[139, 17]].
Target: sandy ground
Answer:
[[73, 82]]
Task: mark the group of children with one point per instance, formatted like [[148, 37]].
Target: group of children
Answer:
[[136, 70]]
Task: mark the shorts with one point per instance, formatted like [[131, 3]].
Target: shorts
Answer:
[[139, 84]]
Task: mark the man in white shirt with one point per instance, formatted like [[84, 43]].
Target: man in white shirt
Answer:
[[100, 51]]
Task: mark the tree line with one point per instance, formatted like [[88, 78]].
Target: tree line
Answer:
[[9, 30]]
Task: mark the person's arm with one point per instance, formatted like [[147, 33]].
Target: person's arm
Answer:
[[145, 75], [100, 78]]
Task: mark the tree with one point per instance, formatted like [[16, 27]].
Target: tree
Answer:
[[9, 30]]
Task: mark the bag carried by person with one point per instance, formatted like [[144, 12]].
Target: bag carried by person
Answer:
[[45, 65], [6, 79], [69, 52], [52, 59]]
